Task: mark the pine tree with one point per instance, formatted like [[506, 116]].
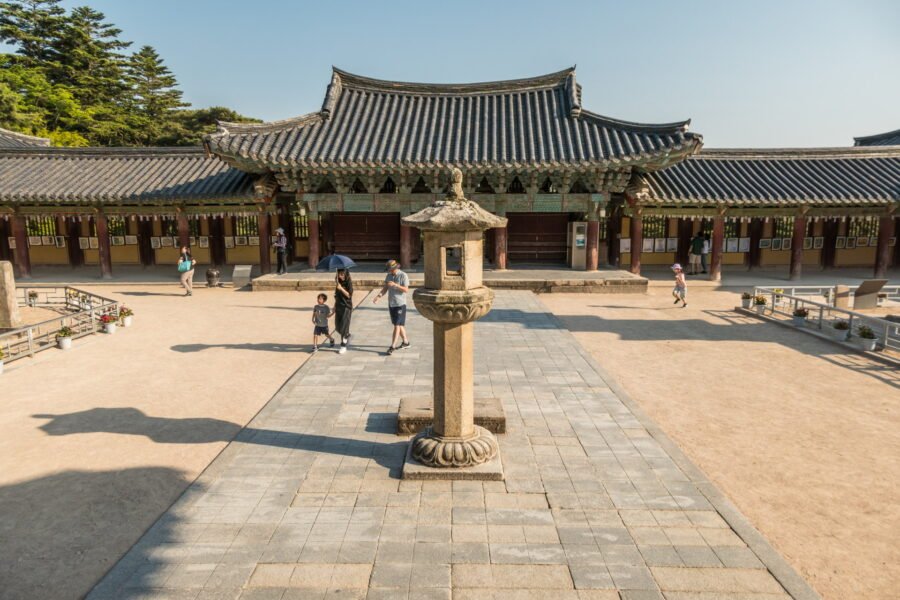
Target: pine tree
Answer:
[[31, 26]]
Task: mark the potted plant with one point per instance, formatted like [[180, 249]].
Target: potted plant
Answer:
[[32, 298], [800, 315], [109, 323], [746, 299], [84, 301], [125, 315], [760, 303], [64, 337], [865, 337], [840, 329]]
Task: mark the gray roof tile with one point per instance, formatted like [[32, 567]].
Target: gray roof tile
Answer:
[[367, 122], [890, 138], [62, 175], [823, 176], [14, 139]]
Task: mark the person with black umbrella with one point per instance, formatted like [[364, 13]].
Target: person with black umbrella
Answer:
[[343, 306]]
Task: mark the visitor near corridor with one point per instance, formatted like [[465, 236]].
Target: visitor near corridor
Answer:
[[343, 306], [186, 264], [281, 244], [696, 254], [396, 285]]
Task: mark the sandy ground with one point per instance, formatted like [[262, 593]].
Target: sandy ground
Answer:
[[804, 439], [96, 442]]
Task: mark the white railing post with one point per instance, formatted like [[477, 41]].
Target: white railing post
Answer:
[[30, 342]]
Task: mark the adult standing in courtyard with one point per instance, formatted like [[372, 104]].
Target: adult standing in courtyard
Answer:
[[280, 245], [186, 264], [696, 253], [343, 306], [704, 252], [396, 285]]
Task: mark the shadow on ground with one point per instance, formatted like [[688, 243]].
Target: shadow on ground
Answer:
[[262, 347]]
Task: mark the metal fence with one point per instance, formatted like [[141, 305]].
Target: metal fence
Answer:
[[891, 292], [79, 310], [822, 316]]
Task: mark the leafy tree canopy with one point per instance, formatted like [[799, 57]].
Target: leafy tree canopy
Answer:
[[71, 79]]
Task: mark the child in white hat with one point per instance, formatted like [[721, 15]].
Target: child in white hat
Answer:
[[680, 290]]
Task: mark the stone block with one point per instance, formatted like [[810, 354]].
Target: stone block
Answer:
[[241, 276], [489, 471], [417, 412]]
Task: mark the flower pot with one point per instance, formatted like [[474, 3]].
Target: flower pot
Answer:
[[760, 308], [32, 302], [866, 344], [109, 327], [799, 321], [212, 277], [746, 302], [838, 334], [126, 321], [64, 343]]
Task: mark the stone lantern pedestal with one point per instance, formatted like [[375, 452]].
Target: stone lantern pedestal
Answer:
[[452, 298]]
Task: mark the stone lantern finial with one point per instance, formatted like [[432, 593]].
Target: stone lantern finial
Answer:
[[456, 191]]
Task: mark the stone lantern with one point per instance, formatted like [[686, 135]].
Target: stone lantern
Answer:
[[452, 298]]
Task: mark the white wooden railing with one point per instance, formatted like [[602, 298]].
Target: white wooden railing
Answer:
[[81, 311]]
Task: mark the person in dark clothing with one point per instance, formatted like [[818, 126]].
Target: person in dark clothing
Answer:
[[343, 306], [281, 250]]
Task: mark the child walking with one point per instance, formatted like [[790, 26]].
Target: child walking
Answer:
[[680, 290], [320, 316]]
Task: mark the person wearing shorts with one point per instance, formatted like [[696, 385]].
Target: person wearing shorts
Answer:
[[320, 316], [680, 289], [396, 285]]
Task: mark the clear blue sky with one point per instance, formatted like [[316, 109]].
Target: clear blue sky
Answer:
[[759, 73]]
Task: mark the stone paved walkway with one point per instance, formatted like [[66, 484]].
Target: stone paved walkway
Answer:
[[307, 503]]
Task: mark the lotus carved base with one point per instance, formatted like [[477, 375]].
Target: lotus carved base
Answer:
[[450, 306], [449, 452]]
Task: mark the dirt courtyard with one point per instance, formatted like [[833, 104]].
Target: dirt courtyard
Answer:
[[97, 442], [802, 437]]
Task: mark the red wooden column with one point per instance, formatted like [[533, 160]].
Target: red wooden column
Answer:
[[593, 246], [637, 240], [797, 247], [406, 250], [184, 230], [718, 245], [103, 242], [829, 248], [886, 230], [500, 248], [313, 224], [23, 260], [264, 231]]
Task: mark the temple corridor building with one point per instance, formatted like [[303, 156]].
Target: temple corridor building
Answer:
[[570, 182]]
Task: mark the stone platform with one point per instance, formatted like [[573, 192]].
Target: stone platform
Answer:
[[538, 280], [597, 502], [417, 413]]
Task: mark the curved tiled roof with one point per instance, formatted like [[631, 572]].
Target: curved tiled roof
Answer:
[[890, 138], [821, 176], [14, 139], [62, 175], [369, 122]]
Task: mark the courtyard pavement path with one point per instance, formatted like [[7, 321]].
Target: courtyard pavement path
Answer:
[[597, 502]]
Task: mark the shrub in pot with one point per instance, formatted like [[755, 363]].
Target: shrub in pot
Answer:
[[746, 299], [64, 337], [840, 329], [800, 315], [125, 315], [109, 323], [760, 303], [865, 338]]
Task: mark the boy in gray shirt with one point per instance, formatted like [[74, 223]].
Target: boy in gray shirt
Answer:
[[396, 285], [321, 314]]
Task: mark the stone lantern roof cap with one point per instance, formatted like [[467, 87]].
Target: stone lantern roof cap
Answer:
[[454, 212]]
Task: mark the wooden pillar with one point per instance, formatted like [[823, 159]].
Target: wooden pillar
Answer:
[[593, 246], [264, 231], [217, 241], [184, 230], [104, 249], [754, 257], [405, 246], [685, 232], [5, 253], [718, 245], [23, 260], [829, 243], [313, 240], [797, 248], [896, 262], [500, 248], [637, 240], [883, 250]]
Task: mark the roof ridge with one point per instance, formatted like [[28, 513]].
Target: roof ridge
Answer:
[[848, 151], [226, 127], [136, 151], [675, 125], [875, 137], [555, 79]]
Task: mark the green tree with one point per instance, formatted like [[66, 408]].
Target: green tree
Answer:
[[193, 124], [31, 25], [154, 96]]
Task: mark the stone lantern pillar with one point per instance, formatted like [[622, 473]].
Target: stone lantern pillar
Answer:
[[452, 298]]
